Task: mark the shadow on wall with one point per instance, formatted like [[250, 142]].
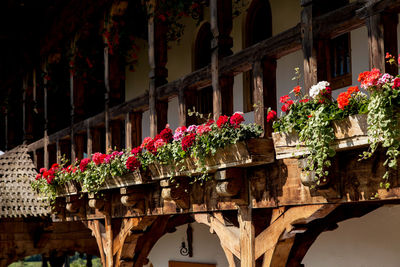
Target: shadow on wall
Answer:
[[369, 241]]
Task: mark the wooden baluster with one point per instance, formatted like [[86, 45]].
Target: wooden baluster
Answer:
[[89, 141], [128, 131], [264, 75], [133, 129], [96, 140], [79, 145], [58, 151], [158, 73], [136, 122], [221, 27], [116, 134]]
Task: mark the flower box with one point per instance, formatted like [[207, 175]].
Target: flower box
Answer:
[[350, 133], [247, 153], [133, 178], [68, 188]]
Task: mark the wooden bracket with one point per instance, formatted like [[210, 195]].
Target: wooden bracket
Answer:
[[111, 246]]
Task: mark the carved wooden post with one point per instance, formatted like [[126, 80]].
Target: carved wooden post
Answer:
[[247, 237], [309, 52], [158, 74], [382, 38], [221, 27]]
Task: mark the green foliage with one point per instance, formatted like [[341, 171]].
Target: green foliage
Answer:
[[383, 126], [312, 120]]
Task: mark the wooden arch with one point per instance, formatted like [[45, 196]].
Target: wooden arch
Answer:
[[258, 22]]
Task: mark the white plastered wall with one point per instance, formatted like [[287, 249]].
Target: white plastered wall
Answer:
[[369, 241], [206, 247]]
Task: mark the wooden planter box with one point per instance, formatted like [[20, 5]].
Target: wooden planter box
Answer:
[[350, 133], [247, 153], [69, 188], [136, 177]]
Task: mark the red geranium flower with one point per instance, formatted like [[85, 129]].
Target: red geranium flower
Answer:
[[84, 163], [188, 141], [297, 90], [222, 120], [284, 99], [38, 176], [166, 134], [136, 150], [271, 115], [98, 158], [132, 163], [150, 147], [305, 100], [236, 119], [396, 82]]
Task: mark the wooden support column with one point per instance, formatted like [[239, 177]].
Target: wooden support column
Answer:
[[221, 27], [247, 238], [107, 98], [309, 51], [264, 75], [157, 40], [382, 38], [46, 122]]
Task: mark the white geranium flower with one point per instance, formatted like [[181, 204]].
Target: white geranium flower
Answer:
[[317, 88]]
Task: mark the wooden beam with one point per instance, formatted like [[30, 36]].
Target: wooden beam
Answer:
[[228, 236], [247, 238], [281, 227]]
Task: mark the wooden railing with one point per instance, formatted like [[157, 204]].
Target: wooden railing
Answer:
[[261, 58]]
